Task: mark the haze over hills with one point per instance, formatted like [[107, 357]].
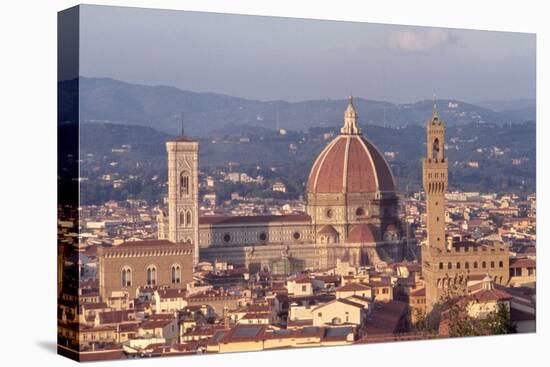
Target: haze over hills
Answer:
[[510, 105], [483, 157], [517, 109], [160, 107]]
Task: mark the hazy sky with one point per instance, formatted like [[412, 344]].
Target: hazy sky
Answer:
[[269, 58]]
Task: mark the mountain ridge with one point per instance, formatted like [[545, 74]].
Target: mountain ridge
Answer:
[[160, 107]]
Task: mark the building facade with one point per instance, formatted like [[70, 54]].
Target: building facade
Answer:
[[138, 264], [352, 210]]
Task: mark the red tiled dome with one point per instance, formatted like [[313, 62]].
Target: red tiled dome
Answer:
[[350, 164], [361, 233], [328, 230]]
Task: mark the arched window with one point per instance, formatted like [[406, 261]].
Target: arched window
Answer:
[[458, 265], [151, 275], [176, 274], [182, 218], [188, 222], [467, 265], [126, 275], [475, 264], [360, 212], [492, 264], [484, 265], [435, 149], [440, 266], [449, 265], [500, 264], [184, 183]]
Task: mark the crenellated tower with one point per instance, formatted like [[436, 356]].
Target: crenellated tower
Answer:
[[435, 179], [447, 265]]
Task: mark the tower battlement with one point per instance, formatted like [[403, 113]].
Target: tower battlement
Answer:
[[435, 180], [467, 249], [445, 265]]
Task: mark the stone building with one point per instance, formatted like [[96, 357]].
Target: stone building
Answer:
[[181, 224], [352, 210], [131, 265], [447, 265]]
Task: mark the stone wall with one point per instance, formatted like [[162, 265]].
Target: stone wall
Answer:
[[138, 259]]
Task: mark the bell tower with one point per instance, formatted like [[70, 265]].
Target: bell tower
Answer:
[[183, 192], [435, 181]]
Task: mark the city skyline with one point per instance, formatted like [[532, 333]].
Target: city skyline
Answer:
[[330, 227]]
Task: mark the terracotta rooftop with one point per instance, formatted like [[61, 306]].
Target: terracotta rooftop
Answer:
[[421, 292], [115, 317], [328, 229], [361, 233], [302, 280], [340, 300], [243, 333], [156, 323], [251, 219], [95, 306], [256, 315], [172, 293], [353, 287], [386, 318], [523, 263], [495, 292], [486, 295], [328, 278]]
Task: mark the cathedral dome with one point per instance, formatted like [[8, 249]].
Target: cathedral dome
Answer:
[[361, 233], [350, 163]]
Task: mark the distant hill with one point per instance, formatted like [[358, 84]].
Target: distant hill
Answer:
[[509, 105], [516, 110], [112, 101], [505, 156]]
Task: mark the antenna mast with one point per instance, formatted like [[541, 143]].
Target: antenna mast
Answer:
[[182, 125]]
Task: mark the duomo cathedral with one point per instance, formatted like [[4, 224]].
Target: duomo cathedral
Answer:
[[351, 212]]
